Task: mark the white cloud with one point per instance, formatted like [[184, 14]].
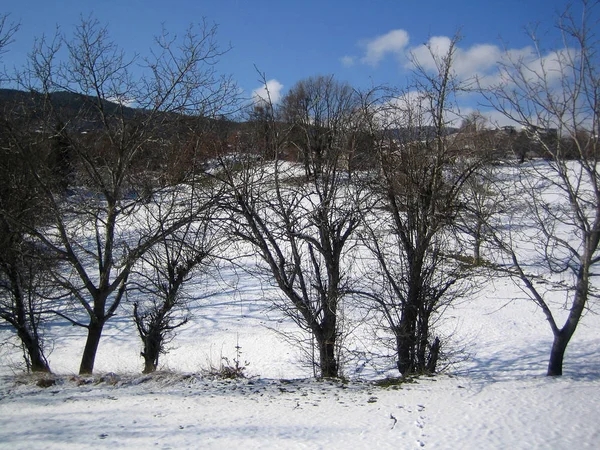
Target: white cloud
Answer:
[[478, 60], [551, 67], [480, 57], [426, 54], [484, 65], [393, 42], [484, 61], [270, 91]]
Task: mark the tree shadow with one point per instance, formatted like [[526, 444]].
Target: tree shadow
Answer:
[[582, 362]]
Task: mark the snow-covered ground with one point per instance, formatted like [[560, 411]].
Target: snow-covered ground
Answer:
[[497, 398], [494, 395], [188, 412]]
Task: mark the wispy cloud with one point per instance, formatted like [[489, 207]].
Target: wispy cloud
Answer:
[[348, 61], [270, 91]]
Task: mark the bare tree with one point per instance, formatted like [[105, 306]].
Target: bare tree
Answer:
[[7, 32], [110, 148], [320, 110], [479, 197], [414, 274], [481, 203], [556, 94], [21, 268], [298, 217], [160, 278]]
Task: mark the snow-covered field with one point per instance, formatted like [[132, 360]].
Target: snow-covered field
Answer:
[[189, 412], [497, 398], [494, 395]]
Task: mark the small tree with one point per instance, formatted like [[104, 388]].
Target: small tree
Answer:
[[481, 204], [479, 198], [164, 270], [556, 94], [319, 109], [22, 266], [23, 275]]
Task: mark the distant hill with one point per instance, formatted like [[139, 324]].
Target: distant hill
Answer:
[[79, 114], [74, 109]]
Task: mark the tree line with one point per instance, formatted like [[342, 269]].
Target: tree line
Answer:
[[121, 182]]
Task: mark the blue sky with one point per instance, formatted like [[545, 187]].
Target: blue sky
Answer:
[[362, 42]]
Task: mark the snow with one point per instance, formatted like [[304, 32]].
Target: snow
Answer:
[[169, 411], [494, 395], [497, 398]]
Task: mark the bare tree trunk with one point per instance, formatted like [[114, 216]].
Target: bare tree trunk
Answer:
[[422, 347], [434, 354], [149, 366], [153, 337], [563, 336], [559, 346], [152, 347], [91, 347], [327, 360], [37, 361], [405, 340], [26, 325], [326, 340], [478, 239]]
